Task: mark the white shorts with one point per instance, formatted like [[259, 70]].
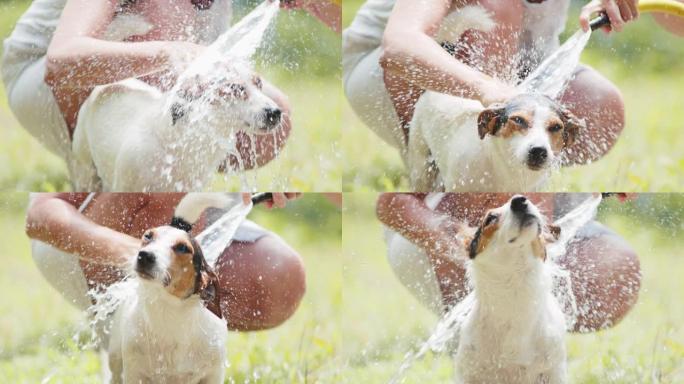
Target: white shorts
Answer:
[[364, 87], [63, 271], [34, 106]]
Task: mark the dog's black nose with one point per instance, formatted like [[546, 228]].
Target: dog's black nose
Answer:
[[272, 116], [146, 259], [537, 156], [519, 204]]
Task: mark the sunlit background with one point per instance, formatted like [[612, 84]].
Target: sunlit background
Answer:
[[301, 57], [382, 321], [647, 65], [37, 325]]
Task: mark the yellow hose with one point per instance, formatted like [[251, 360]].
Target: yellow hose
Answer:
[[671, 7]]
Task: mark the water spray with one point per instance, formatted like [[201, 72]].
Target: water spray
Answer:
[[671, 7]]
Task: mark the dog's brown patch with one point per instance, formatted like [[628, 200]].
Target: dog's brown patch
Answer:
[[182, 270], [483, 236], [539, 248], [518, 122]]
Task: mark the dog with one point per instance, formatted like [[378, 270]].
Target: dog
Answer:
[[455, 144], [514, 329], [172, 331], [130, 136]]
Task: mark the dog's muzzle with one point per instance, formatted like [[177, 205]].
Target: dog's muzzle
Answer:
[[537, 157], [272, 118], [145, 264], [521, 210]]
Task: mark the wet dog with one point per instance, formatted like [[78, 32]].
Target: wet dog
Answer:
[[505, 147], [514, 330], [455, 144], [132, 137], [172, 330]]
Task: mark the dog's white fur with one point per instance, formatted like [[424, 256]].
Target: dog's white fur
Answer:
[[125, 138], [514, 331], [157, 337], [444, 130]]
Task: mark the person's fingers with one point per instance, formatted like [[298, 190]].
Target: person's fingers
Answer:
[[246, 198], [293, 195], [279, 200], [613, 12], [634, 7], [625, 10], [586, 13]]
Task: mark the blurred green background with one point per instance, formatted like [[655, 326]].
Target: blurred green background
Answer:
[[37, 325], [647, 65], [382, 321], [302, 58]]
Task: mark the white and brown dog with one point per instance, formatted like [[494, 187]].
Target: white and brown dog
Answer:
[[172, 330], [132, 137], [455, 144], [514, 330]]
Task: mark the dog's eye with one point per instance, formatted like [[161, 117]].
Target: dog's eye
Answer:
[[148, 236], [181, 248], [555, 128], [258, 83], [519, 121], [238, 90], [490, 219]]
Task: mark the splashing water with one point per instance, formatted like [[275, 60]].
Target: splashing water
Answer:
[[219, 234], [228, 59], [554, 73], [213, 241], [445, 334]]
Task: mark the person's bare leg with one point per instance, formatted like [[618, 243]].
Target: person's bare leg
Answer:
[[592, 97], [262, 283], [605, 276]]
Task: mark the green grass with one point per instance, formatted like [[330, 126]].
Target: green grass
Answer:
[[37, 324], [307, 71], [644, 62], [381, 321]]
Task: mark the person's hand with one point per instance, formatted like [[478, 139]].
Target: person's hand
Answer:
[[279, 200], [175, 56], [619, 12], [495, 92]]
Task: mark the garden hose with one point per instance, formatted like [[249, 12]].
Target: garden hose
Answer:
[[672, 7]]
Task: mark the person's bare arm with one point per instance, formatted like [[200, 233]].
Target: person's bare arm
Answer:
[[54, 219], [408, 215], [410, 51], [327, 11], [78, 58]]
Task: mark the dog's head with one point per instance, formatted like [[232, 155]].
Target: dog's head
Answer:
[[171, 258], [531, 129], [516, 225], [232, 96]]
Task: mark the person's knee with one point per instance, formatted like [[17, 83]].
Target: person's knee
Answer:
[[284, 286]]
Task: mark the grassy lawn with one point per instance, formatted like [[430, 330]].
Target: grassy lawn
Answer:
[[307, 70], [37, 324], [381, 321], [644, 62]]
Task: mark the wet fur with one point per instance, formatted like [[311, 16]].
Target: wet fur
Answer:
[[514, 329], [172, 331], [455, 144]]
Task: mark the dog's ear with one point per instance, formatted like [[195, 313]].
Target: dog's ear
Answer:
[[552, 233], [491, 120], [206, 281], [473, 244], [573, 125]]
